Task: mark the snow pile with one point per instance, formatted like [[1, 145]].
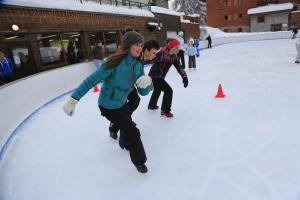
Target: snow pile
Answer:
[[76, 5], [194, 15], [162, 10], [217, 33], [270, 8], [185, 21]]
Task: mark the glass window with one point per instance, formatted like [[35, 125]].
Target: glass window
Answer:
[[240, 15], [20, 56], [240, 2], [94, 37], [72, 44], [225, 3], [50, 48], [226, 17], [110, 41], [260, 19]]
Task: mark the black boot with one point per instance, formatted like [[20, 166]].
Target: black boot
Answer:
[[113, 131], [153, 107], [142, 168], [121, 142]]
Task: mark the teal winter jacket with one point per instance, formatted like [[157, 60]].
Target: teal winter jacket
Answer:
[[118, 83]]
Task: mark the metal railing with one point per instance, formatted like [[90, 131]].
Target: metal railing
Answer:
[[125, 3]]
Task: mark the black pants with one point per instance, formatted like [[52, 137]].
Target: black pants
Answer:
[[209, 44], [161, 85], [130, 133], [133, 100], [192, 62], [181, 56]]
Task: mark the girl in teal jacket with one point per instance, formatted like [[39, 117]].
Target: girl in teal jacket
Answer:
[[119, 73]]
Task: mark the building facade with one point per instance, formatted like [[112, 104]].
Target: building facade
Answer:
[[264, 19], [190, 26], [229, 15], [232, 15], [46, 36]]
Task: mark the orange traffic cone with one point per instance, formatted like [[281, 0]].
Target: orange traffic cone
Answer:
[[220, 92], [96, 89]]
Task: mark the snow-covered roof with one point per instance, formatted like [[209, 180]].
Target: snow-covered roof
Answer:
[[296, 11], [194, 15], [185, 21], [153, 23], [88, 6], [270, 8], [156, 9]]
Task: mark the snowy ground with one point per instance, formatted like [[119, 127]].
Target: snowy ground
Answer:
[[245, 146]]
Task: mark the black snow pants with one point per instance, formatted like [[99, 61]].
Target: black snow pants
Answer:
[[130, 133], [161, 85]]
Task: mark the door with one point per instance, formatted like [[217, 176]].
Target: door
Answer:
[[22, 57], [276, 27]]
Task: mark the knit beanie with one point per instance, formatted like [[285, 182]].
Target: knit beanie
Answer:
[[130, 38], [173, 43]]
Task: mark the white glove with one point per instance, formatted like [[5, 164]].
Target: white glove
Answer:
[[69, 107], [144, 81]]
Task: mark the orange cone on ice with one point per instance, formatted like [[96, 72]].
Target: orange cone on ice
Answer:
[[220, 93], [96, 89]]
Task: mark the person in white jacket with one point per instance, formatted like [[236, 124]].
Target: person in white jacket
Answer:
[[181, 49], [298, 51]]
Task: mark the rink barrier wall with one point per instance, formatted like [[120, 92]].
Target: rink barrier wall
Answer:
[[33, 93], [248, 37], [22, 99]]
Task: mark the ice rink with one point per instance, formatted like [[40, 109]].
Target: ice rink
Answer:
[[243, 147]]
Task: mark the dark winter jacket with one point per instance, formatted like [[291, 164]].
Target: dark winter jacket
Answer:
[[6, 67], [162, 63], [71, 54], [98, 53]]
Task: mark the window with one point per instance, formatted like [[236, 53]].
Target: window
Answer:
[[50, 47], [110, 41], [276, 27], [226, 17], [240, 15], [239, 29], [225, 3], [225, 30], [260, 19], [94, 37], [73, 47], [240, 2]]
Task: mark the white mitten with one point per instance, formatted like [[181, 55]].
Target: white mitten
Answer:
[[144, 81], [69, 107]]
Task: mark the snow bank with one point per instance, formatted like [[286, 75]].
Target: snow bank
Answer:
[[219, 37], [162, 10], [270, 8]]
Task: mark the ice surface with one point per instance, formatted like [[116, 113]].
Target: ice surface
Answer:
[[245, 146]]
